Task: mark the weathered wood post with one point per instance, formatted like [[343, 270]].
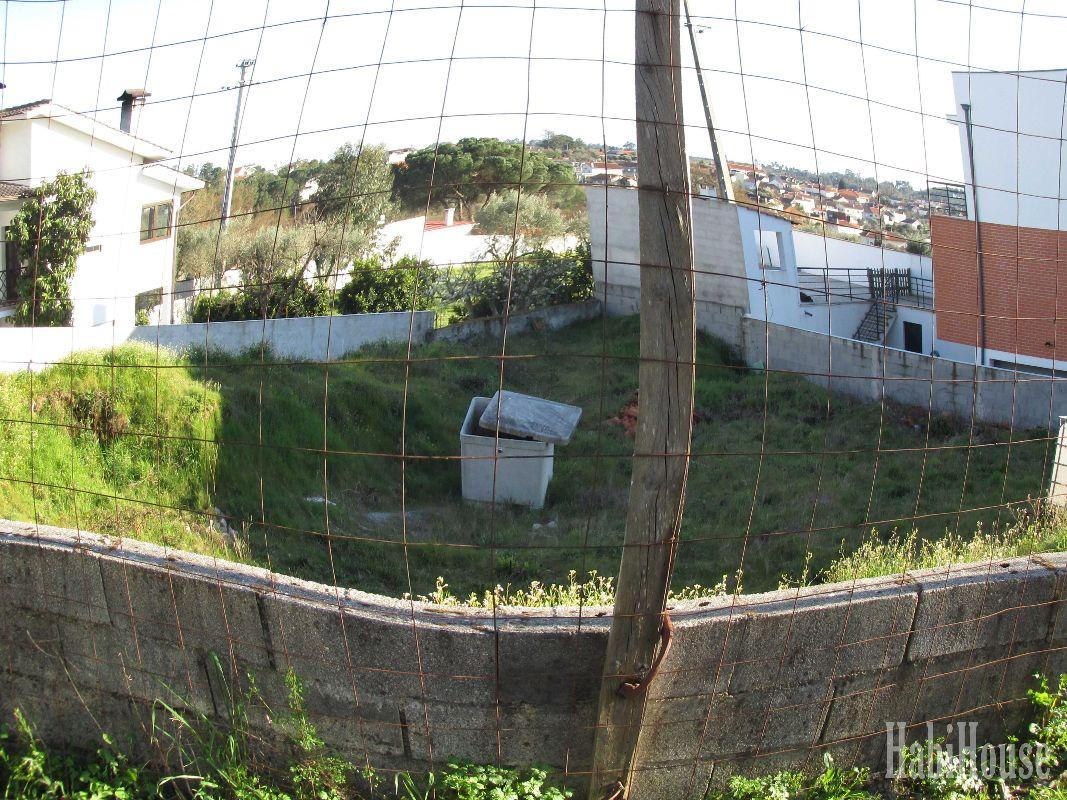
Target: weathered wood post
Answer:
[[665, 379]]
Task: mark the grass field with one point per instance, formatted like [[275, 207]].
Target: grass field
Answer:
[[781, 468]]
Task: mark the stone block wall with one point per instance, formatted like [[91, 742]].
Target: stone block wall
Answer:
[[93, 630]]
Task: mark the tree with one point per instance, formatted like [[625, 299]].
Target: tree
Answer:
[[49, 233], [352, 193], [519, 224], [472, 170], [208, 173], [354, 187]]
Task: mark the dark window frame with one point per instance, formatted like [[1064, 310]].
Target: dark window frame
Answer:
[[12, 271], [153, 211]]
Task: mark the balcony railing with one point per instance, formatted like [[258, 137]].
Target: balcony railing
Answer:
[[853, 284]]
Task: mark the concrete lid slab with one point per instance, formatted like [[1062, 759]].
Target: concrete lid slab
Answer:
[[533, 417]]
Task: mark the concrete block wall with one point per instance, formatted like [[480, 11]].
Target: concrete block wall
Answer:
[[93, 629], [869, 372], [721, 321], [309, 338], [718, 252]]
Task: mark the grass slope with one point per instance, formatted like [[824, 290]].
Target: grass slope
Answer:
[[781, 468]]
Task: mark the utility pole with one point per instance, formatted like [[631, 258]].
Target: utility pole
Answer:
[[640, 628], [724, 186], [227, 195]]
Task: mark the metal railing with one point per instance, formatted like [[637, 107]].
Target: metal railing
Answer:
[[862, 285]]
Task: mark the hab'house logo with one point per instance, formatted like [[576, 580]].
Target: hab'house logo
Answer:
[[956, 761]]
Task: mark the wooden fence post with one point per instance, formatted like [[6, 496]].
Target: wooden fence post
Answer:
[[640, 627]]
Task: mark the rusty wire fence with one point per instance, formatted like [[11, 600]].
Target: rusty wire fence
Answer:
[[340, 374]]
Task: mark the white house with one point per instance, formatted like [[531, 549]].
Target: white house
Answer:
[[129, 260], [750, 263]]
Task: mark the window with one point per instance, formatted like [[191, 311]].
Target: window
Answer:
[[770, 255], [10, 270], [155, 221], [913, 337]]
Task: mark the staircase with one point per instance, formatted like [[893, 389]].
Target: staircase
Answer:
[[876, 323]]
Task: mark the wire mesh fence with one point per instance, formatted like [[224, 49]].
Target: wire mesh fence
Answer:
[[482, 298]]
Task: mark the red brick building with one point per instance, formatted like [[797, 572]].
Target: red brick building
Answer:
[[1025, 291]]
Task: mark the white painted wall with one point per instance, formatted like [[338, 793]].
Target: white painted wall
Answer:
[[825, 252], [969, 354], [923, 317], [772, 292], [310, 338], [455, 245], [1019, 154]]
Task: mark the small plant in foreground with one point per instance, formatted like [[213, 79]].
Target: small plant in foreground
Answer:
[[318, 774], [950, 776], [29, 772], [833, 783], [596, 590], [462, 781]]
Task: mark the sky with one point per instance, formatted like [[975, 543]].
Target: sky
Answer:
[[818, 84]]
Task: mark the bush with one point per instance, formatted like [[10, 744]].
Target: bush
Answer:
[[374, 287], [273, 302], [542, 278]]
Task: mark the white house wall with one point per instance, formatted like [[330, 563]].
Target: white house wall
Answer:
[[923, 317], [772, 293], [839, 319], [15, 150], [1019, 152], [815, 251], [108, 280]]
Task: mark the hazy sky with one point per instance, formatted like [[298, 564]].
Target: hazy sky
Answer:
[[405, 72]]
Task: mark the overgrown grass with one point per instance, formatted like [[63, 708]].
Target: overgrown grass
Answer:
[[307, 461], [120, 441], [1045, 532], [229, 758]]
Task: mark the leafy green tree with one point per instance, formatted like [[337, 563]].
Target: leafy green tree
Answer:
[[471, 170], [49, 232], [538, 279], [519, 223], [208, 173], [354, 187]]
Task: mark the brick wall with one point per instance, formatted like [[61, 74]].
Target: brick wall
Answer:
[[1025, 286]]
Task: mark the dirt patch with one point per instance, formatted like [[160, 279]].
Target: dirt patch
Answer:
[[627, 416]]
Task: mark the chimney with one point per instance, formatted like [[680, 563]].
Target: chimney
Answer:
[[450, 216], [132, 101]]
